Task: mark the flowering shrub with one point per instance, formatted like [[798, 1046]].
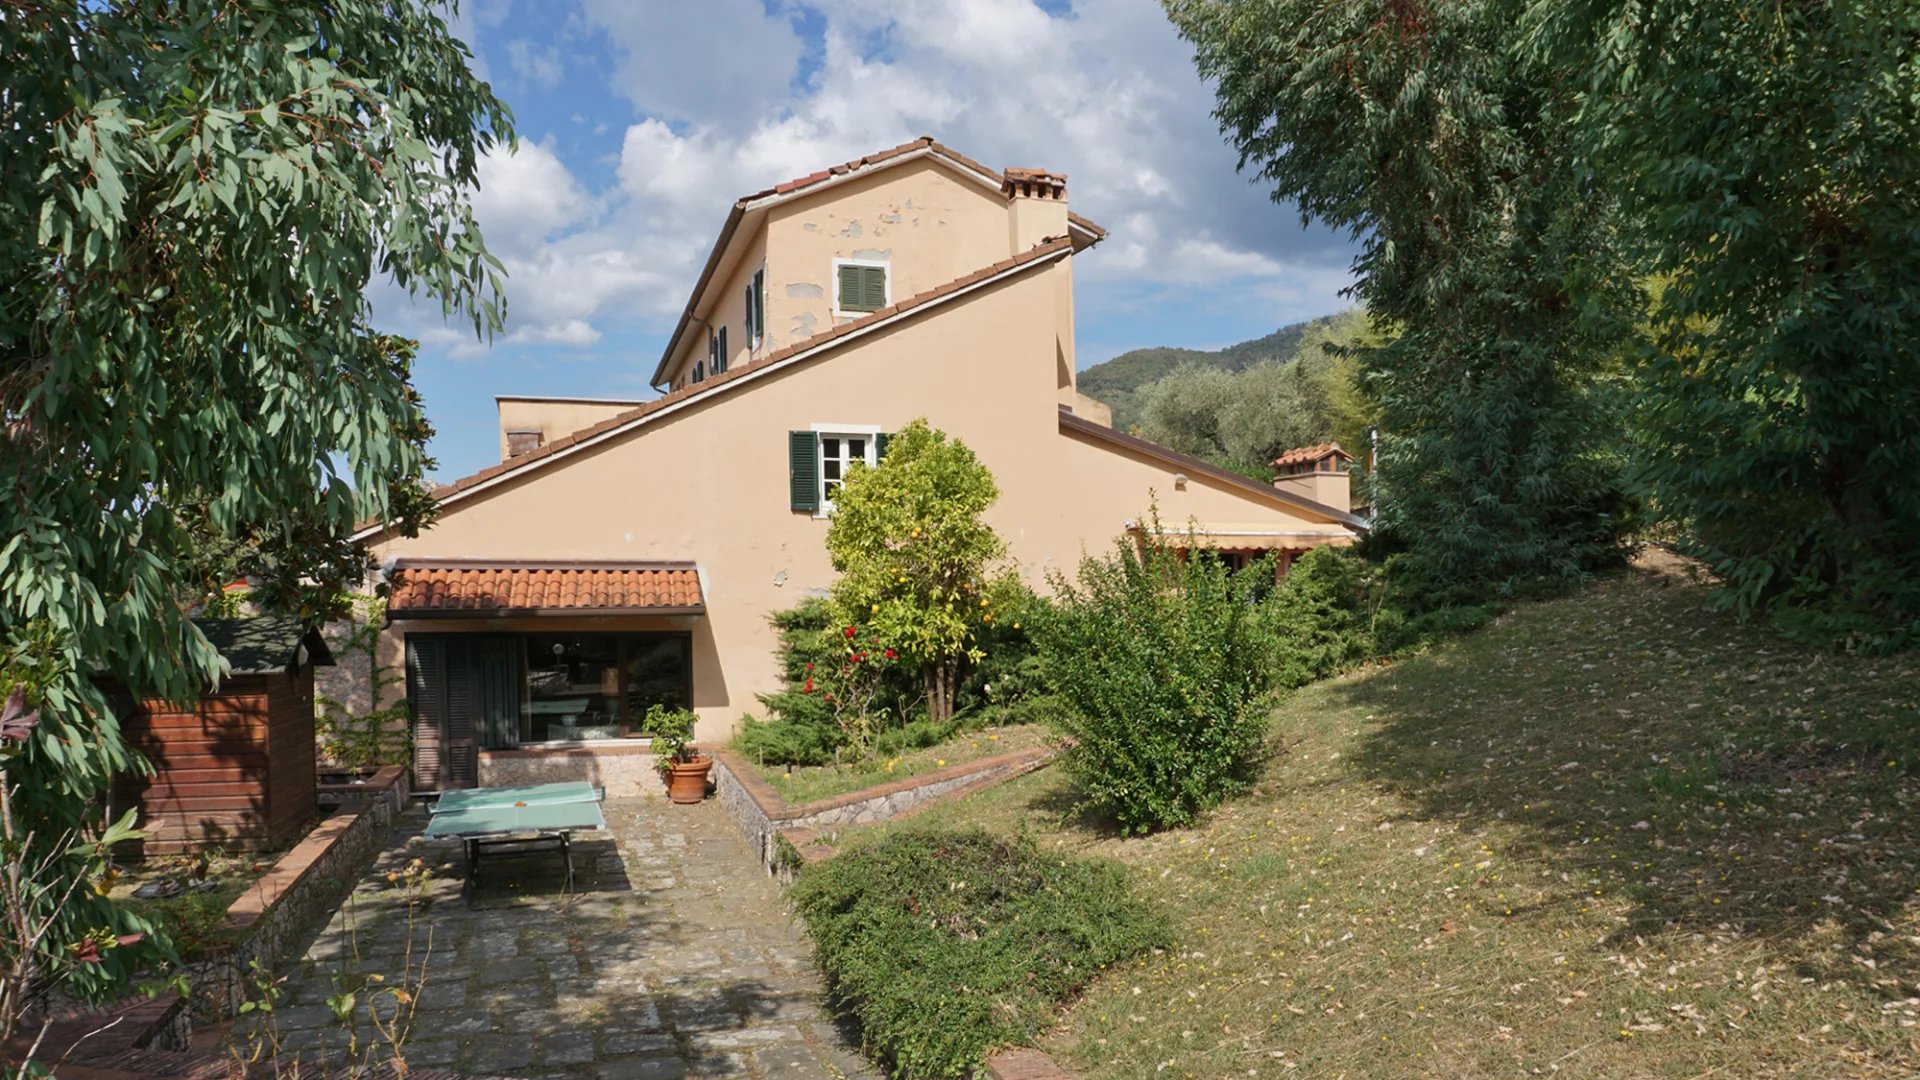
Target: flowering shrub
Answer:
[[848, 683]]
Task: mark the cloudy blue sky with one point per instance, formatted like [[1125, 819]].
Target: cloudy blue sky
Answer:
[[640, 122]]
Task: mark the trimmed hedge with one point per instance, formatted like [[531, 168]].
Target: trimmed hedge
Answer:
[[947, 945]]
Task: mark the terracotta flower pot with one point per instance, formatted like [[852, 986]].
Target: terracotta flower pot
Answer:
[[687, 780]]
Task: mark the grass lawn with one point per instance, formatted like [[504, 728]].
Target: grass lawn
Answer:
[[1612, 835], [806, 783]]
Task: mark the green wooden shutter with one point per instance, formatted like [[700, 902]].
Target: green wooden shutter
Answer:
[[803, 470], [873, 287], [880, 448], [849, 288]]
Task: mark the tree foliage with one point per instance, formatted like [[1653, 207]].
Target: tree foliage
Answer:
[[194, 198], [1767, 158], [1243, 420], [915, 558], [1416, 127]]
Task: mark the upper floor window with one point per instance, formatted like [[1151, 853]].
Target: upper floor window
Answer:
[[717, 351], [860, 286], [757, 309]]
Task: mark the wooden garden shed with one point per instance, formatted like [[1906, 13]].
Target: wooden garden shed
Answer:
[[236, 769]]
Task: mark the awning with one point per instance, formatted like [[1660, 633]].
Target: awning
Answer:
[[442, 588]]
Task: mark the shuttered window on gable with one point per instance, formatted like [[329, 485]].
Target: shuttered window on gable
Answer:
[[862, 288]]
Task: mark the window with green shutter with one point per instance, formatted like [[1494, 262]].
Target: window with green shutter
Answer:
[[803, 470], [861, 286]]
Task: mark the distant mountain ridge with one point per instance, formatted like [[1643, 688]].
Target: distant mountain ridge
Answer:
[[1118, 381]]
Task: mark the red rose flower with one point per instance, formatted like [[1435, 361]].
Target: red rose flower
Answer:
[[888, 654], [807, 689], [851, 632]]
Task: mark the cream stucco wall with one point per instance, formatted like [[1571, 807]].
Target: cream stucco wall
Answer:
[[708, 481], [552, 417], [929, 224]]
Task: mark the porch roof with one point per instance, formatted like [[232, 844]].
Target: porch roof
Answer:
[[443, 588]]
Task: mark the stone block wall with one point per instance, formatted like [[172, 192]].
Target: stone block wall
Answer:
[[625, 771]]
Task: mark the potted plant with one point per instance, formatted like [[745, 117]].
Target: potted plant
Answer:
[[684, 768]]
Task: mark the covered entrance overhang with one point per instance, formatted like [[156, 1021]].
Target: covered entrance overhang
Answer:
[[1241, 543], [506, 659]]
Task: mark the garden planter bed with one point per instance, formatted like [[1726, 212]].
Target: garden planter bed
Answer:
[[762, 814]]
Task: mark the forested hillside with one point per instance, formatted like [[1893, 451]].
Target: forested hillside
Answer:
[[1118, 381]]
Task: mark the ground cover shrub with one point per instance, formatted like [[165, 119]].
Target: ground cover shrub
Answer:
[[1164, 666], [945, 945]]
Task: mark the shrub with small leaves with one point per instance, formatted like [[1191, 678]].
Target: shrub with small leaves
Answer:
[[946, 945], [1163, 666]]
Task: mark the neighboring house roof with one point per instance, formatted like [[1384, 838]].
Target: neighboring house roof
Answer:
[[438, 588], [264, 644], [898, 311], [923, 147], [1309, 453], [1080, 425]]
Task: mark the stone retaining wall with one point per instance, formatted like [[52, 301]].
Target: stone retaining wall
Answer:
[[626, 771], [293, 899], [762, 814]]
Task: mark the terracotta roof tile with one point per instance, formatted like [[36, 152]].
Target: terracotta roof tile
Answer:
[[1045, 248], [474, 587], [1309, 453]]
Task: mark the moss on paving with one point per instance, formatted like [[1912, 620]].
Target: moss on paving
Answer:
[[1617, 834]]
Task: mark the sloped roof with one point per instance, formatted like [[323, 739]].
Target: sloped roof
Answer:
[[925, 145], [264, 644], [438, 588], [1309, 453], [1189, 463], [898, 310]]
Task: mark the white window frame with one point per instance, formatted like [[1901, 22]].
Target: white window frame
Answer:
[[883, 264], [869, 432]]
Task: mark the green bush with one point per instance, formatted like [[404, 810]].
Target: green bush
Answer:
[[946, 945], [1006, 685], [1164, 667]]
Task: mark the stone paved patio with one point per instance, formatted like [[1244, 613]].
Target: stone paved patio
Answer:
[[674, 956]]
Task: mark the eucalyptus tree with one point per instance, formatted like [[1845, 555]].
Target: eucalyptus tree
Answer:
[[1419, 129], [195, 197]]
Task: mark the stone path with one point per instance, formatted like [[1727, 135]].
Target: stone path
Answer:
[[674, 956]]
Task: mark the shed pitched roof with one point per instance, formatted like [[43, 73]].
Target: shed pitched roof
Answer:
[[264, 644], [435, 588]]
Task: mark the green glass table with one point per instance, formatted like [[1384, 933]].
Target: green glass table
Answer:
[[537, 813]]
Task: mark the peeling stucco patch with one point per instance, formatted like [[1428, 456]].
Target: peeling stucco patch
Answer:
[[852, 229], [872, 253], [803, 290], [803, 324], [810, 226], [891, 219]]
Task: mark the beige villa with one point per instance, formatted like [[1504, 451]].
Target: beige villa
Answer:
[[626, 553]]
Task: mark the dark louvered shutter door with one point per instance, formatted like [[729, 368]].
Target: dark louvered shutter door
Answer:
[[873, 288], [803, 470], [427, 694], [880, 448], [463, 706]]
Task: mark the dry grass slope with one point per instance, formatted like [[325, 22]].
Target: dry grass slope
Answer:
[[1613, 835]]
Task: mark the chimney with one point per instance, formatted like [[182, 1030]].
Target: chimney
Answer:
[[1319, 473], [1036, 207]]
